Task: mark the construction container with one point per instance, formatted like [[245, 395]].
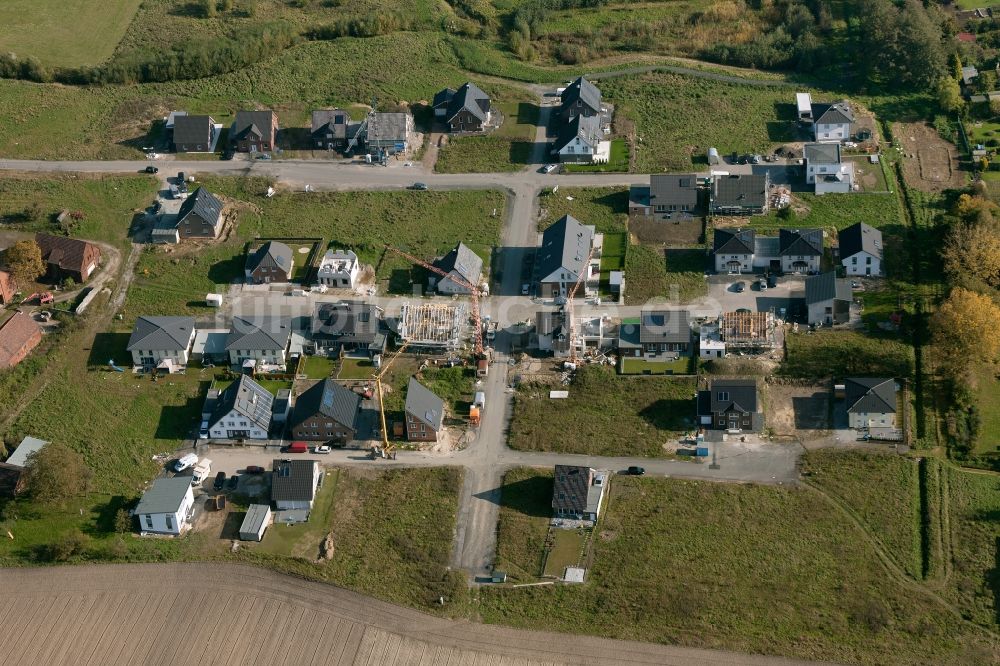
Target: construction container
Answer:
[[474, 417], [482, 368], [213, 300], [701, 451], [480, 400]]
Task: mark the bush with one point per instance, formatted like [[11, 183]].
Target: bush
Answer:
[[68, 545]]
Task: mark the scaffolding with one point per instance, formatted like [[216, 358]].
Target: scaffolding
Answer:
[[432, 325], [747, 331]]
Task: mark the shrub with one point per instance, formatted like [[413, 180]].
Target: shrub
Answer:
[[68, 545]]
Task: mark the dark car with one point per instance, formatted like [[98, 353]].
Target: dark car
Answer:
[[152, 169], [744, 310], [635, 470], [254, 469], [234, 481], [419, 186], [772, 281], [220, 481], [739, 287]]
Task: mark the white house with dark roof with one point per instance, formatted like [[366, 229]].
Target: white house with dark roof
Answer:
[[161, 342], [578, 492], [800, 250], [826, 170], [579, 98], [870, 402], [861, 250], [579, 140], [241, 411], [563, 257], [166, 507], [262, 340], [461, 265], [791, 251], [733, 250], [669, 196], [828, 299], [656, 335], [833, 122], [338, 269], [294, 484]]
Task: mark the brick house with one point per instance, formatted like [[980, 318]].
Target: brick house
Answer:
[[424, 413], [18, 336], [272, 262], [68, 257], [326, 412], [254, 131]]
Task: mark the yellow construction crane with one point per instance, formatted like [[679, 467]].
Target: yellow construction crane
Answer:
[[584, 273], [388, 450]]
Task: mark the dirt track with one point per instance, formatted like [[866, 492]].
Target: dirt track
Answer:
[[231, 614]]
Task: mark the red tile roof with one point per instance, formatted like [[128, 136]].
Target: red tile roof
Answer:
[[18, 336]]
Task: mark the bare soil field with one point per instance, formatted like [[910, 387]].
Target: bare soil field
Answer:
[[802, 412], [930, 163], [233, 614]]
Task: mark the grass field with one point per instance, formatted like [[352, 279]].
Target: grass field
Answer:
[[317, 367], [65, 34], [525, 509], [845, 354], [685, 273], [975, 543], [611, 415], [567, 547], [834, 212], [638, 366], [988, 402], [752, 568], [508, 148], [889, 508]]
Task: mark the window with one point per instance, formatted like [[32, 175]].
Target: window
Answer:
[[722, 421], [149, 522], [170, 522], [723, 396], [854, 260], [868, 260]]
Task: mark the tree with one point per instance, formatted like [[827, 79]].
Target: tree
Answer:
[[973, 250], [921, 47], [963, 331], [24, 259], [949, 94], [123, 521], [56, 473]]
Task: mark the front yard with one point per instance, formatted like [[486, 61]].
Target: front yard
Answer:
[[508, 148]]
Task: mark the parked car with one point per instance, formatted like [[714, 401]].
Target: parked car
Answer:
[[185, 461], [419, 186], [762, 284], [152, 169], [739, 287], [234, 481], [772, 281], [635, 470], [322, 449], [254, 469], [297, 447], [525, 289], [265, 156], [203, 430], [220, 481], [549, 168]]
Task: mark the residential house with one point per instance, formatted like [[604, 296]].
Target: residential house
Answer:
[[255, 523], [281, 407], [28, 446], [170, 121], [18, 336], [750, 332], [68, 257], [826, 170], [579, 140], [193, 134], [7, 288], [271, 262], [294, 483], [462, 266], [833, 122], [209, 346], [12, 476], [730, 404], [870, 402], [338, 269], [329, 128], [254, 131], [656, 335], [326, 412], [828, 299], [710, 343], [241, 411], [969, 76], [464, 110], [552, 332], [739, 194], [167, 506], [389, 133], [200, 216], [262, 340], [563, 257], [670, 196], [734, 250], [161, 342], [861, 249], [348, 327], [800, 250], [578, 492], [580, 98], [424, 413]]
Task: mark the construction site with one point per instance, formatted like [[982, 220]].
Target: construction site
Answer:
[[747, 332], [432, 327]]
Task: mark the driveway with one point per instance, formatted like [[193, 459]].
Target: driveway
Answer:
[[789, 292]]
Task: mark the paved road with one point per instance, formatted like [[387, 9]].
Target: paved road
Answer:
[[232, 614]]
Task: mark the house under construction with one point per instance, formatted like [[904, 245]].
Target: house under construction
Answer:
[[433, 326], [747, 331]]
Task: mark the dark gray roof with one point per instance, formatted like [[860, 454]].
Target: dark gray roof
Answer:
[[351, 322], [673, 188], [164, 496], [334, 121], [587, 128], [572, 485], [825, 287], [202, 204], [388, 127], [248, 398], [860, 237], [261, 333], [550, 322], [582, 90], [800, 242], [664, 326], [868, 395], [272, 254], [193, 129], [258, 123], [442, 97], [292, 480], [470, 98], [822, 153], [743, 190], [740, 241], [831, 114], [733, 394], [463, 261], [328, 398], [566, 244], [424, 405], [254, 520], [161, 333]]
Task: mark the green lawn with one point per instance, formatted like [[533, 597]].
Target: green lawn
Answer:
[[617, 161], [686, 273], [987, 392], [638, 366], [67, 34], [317, 367], [566, 550], [975, 543], [839, 211], [845, 354], [508, 148], [355, 368], [302, 539], [525, 510], [453, 385], [757, 569], [611, 415]]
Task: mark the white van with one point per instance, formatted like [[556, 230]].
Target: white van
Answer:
[[185, 461], [480, 400]]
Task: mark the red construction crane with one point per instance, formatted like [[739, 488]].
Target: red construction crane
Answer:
[[569, 305], [477, 322]]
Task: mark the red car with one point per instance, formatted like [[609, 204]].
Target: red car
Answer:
[[297, 447], [254, 469]]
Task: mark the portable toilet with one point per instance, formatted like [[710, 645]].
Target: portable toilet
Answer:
[[701, 451], [713, 157]]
